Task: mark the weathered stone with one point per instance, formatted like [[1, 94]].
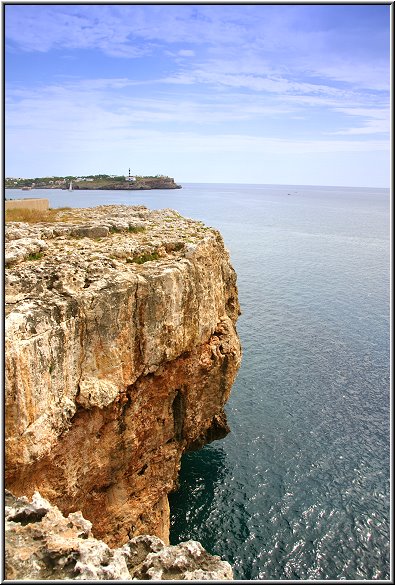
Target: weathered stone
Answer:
[[21, 248], [96, 392], [120, 355], [95, 231], [41, 544], [185, 561]]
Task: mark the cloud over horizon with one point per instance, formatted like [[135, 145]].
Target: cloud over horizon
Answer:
[[291, 80]]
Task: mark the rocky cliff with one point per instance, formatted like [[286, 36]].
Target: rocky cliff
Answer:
[[44, 545], [121, 351]]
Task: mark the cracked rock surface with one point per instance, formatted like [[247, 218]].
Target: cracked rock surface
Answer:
[[120, 353], [42, 544]]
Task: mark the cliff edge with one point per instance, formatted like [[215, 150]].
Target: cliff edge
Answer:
[[120, 353]]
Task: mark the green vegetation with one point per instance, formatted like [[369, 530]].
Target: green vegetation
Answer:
[[135, 229], [35, 256], [100, 181], [143, 258], [131, 229]]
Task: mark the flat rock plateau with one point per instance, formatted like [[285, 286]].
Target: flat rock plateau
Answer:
[[120, 353]]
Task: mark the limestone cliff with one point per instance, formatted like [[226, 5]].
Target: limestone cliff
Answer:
[[121, 351]]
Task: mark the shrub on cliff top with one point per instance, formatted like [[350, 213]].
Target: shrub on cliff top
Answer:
[[144, 258], [35, 256]]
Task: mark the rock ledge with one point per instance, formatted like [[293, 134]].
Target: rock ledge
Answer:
[[41, 544]]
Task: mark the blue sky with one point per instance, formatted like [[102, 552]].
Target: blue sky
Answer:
[[276, 94]]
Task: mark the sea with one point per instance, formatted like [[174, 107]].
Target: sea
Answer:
[[300, 488]]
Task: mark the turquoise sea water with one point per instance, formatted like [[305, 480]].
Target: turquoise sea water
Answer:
[[300, 487]]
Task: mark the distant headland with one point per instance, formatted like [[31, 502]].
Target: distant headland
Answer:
[[112, 182]]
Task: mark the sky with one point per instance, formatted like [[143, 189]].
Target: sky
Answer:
[[274, 94]]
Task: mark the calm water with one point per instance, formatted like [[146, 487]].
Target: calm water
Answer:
[[300, 488]]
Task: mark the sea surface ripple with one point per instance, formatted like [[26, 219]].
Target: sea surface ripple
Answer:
[[300, 487]]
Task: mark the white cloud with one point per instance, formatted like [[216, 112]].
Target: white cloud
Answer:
[[186, 53], [80, 101], [374, 121], [81, 119], [244, 35], [281, 80], [272, 84], [372, 76], [113, 28], [97, 110]]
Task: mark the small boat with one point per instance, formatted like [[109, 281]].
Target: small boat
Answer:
[[71, 186]]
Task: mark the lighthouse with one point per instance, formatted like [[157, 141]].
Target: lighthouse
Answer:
[[130, 178]]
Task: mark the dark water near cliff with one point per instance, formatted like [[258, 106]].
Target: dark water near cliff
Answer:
[[300, 488]]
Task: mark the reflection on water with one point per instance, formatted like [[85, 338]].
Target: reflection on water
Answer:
[[204, 470]]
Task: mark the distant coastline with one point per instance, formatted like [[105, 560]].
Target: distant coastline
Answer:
[[94, 182]]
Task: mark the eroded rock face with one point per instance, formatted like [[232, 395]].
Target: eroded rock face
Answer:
[[121, 351], [42, 544]]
